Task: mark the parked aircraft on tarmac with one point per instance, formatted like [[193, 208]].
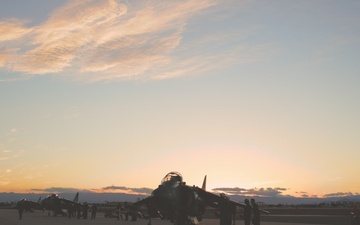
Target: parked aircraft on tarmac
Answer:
[[182, 204], [56, 204], [30, 206]]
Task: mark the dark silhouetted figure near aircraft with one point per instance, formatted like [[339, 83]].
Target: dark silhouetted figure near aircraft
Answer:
[[78, 211], [256, 212], [126, 215], [227, 210], [85, 210], [68, 209], [25, 205], [93, 211], [247, 212], [118, 209], [21, 207]]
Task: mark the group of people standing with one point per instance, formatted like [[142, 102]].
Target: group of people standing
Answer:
[[81, 210], [251, 212]]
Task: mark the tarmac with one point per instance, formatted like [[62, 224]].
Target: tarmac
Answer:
[[11, 217]]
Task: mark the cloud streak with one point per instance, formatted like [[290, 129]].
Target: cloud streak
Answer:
[[340, 194], [101, 40], [236, 191], [6, 154], [260, 192], [59, 190], [108, 189], [146, 191]]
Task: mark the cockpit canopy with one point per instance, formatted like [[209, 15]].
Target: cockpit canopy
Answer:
[[172, 179]]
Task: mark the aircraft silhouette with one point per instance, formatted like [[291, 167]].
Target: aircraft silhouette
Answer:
[[30, 206], [182, 204], [56, 204]]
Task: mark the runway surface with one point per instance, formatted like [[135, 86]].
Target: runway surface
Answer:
[[11, 217]]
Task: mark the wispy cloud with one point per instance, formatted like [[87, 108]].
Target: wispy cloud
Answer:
[[252, 192], [277, 192], [304, 194], [4, 177], [108, 189], [13, 130], [6, 150], [4, 182], [263, 192], [6, 154], [58, 190], [13, 29], [122, 189], [340, 194], [101, 40]]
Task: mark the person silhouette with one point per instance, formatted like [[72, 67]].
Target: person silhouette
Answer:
[[247, 212], [226, 210], [93, 211], [20, 207], [255, 212], [85, 210]]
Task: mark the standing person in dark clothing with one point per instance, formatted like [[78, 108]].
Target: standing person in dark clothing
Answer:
[[247, 212], [85, 210], [93, 211], [78, 211], [69, 208], [226, 210], [126, 214], [57, 204], [118, 209], [20, 207], [256, 212], [233, 213]]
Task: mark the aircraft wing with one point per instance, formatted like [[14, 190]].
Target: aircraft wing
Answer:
[[66, 201], [213, 200], [75, 201], [34, 204], [145, 201], [151, 205]]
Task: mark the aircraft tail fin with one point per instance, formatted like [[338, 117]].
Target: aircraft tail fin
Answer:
[[204, 184], [76, 199]]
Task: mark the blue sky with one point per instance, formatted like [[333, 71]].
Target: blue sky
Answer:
[[251, 93]]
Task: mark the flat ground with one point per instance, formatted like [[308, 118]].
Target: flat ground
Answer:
[[11, 217]]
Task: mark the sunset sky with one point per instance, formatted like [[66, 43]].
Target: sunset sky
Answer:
[[261, 96]]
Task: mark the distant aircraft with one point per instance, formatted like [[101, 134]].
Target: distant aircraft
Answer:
[[182, 204], [56, 204]]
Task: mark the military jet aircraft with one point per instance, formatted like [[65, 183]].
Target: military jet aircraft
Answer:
[[56, 204], [182, 204], [29, 206]]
